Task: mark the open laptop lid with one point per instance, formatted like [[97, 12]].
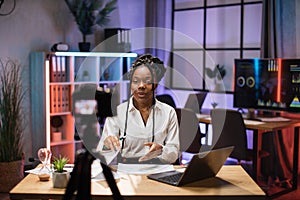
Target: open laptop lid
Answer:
[[205, 165]]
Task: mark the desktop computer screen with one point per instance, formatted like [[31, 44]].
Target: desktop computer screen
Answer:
[[267, 84]]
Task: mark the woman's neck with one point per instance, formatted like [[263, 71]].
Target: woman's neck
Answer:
[[143, 106]]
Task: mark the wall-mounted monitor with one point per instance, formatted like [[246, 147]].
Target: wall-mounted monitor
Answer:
[[267, 84]]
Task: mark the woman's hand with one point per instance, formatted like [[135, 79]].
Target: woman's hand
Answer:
[[112, 142], [154, 150]]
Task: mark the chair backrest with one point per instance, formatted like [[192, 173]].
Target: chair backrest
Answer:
[[228, 129], [195, 101], [189, 130], [166, 98]]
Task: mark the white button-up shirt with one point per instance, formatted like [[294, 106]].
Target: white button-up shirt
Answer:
[[166, 131]]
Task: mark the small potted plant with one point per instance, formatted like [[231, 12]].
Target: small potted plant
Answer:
[[60, 177], [89, 15], [217, 74]]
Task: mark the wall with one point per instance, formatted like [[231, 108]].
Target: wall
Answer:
[[36, 25]]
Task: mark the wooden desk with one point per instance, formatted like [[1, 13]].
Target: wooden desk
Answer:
[[262, 127], [232, 182]]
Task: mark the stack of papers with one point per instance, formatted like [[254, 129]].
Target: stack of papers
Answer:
[[97, 172], [144, 168]]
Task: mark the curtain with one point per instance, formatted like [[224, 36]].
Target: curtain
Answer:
[[158, 13], [158, 25], [278, 29], [278, 41]]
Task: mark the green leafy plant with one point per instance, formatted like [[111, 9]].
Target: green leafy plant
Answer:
[[59, 163], [11, 113], [90, 14], [218, 72]]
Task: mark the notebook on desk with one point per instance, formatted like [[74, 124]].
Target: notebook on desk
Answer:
[[203, 165]]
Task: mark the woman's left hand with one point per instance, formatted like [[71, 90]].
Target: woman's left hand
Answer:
[[154, 150]]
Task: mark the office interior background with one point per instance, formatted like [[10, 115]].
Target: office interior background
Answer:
[[37, 25]]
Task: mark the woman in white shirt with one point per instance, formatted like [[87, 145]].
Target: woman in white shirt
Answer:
[[144, 128]]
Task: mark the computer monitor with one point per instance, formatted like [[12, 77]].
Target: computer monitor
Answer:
[[267, 84]]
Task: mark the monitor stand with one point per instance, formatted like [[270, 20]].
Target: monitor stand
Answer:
[[251, 114], [265, 113]]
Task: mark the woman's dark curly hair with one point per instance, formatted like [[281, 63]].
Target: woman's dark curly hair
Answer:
[[154, 64]]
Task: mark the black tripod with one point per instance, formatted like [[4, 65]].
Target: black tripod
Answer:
[[80, 180]]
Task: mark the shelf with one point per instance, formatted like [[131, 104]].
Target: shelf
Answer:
[[63, 142], [96, 54], [60, 114], [60, 83], [56, 77]]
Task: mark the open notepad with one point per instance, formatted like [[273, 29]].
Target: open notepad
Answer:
[[144, 168]]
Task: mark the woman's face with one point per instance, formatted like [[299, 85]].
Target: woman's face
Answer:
[[141, 85]]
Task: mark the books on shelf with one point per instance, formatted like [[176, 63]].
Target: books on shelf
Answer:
[[59, 95], [58, 71]]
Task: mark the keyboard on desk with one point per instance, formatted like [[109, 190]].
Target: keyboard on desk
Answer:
[[273, 119], [171, 177], [261, 120]]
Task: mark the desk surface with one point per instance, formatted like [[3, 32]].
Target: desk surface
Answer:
[[258, 125], [275, 126], [232, 182]]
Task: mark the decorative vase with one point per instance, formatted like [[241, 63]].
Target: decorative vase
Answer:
[[56, 136], [84, 46], [11, 174], [60, 179]]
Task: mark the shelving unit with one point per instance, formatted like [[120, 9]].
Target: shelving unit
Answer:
[[55, 76]]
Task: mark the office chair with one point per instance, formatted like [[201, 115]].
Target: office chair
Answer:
[[166, 98], [195, 101], [228, 129], [189, 131]]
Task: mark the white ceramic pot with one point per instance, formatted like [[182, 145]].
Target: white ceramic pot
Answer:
[[60, 180]]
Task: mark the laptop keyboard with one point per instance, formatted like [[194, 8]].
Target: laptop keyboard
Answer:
[[173, 178]]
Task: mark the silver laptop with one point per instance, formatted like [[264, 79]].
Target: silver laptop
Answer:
[[203, 165]]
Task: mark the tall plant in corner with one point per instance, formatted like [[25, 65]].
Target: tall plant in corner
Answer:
[[11, 122], [90, 14]]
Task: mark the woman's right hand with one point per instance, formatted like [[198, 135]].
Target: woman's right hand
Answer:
[[112, 142]]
